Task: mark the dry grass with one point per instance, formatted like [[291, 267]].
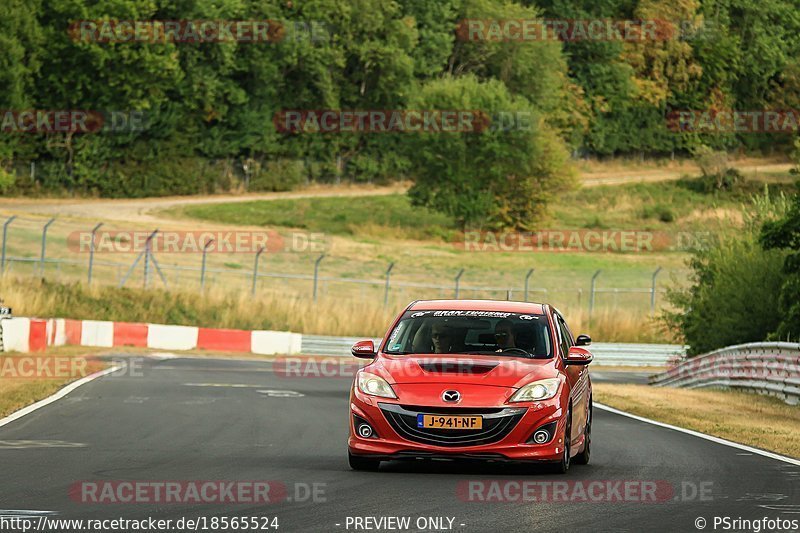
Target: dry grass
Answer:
[[731, 415], [272, 310], [618, 325], [627, 368], [16, 393]]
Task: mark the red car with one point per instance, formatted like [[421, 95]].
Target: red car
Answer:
[[473, 379]]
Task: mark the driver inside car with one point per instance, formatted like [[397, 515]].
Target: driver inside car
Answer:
[[447, 338], [504, 335]]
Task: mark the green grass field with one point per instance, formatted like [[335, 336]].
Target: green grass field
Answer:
[[670, 205]]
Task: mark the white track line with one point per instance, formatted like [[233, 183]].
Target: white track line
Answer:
[[57, 396], [718, 440]]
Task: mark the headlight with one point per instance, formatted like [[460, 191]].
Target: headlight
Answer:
[[543, 389], [374, 385]]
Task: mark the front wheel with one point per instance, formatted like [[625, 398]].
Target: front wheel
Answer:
[[583, 457], [562, 466], [363, 463]]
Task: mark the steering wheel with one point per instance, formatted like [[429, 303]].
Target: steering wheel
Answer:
[[514, 349]]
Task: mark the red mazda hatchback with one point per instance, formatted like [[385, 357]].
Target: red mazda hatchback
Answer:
[[473, 379]]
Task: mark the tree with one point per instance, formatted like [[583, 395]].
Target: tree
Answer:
[[784, 234], [495, 178]]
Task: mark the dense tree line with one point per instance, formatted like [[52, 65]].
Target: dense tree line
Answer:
[[209, 108]]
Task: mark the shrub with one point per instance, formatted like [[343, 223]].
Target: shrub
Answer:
[[279, 175], [735, 287]]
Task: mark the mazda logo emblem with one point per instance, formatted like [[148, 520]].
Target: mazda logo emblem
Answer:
[[451, 396]]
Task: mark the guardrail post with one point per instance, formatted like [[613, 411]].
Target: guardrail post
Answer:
[[91, 253], [316, 274], [44, 246], [653, 291], [255, 270], [203, 265], [5, 234], [527, 278], [458, 281], [386, 289], [591, 295]]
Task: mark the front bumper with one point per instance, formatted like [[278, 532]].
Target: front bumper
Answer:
[[508, 429]]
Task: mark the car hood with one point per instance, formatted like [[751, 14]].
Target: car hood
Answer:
[[496, 371]]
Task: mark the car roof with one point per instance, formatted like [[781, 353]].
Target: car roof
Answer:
[[479, 305]]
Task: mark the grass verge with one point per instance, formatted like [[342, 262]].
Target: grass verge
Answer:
[[723, 413], [16, 393]]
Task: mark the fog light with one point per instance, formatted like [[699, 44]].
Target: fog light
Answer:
[[365, 431], [541, 436]]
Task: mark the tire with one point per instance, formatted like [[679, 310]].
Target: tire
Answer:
[[562, 466], [583, 457], [363, 463]]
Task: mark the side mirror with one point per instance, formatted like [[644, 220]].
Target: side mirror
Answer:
[[583, 340], [578, 356], [363, 349]]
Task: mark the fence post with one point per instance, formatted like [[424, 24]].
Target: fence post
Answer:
[[5, 234], [91, 252], [203, 265], [44, 246], [316, 274], [591, 295], [458, 281], [147, 251], [386, 290], [255, 270], [653, 291], [527, 278]]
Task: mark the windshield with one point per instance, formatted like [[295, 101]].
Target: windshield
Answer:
[[471, 332]]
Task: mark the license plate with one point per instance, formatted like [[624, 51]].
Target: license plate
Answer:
[[449, 422]]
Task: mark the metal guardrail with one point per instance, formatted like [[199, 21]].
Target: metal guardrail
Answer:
[[330, 346], [605, 353], [771, 368]]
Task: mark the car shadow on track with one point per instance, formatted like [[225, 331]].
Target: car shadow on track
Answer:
[[473, 468]]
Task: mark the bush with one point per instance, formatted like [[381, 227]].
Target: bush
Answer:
[[278, 175], [662, 213], [734, 290], [6, 180], [732, 300], [785, 234]]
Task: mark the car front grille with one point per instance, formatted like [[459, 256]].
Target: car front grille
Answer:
[[497, 423]]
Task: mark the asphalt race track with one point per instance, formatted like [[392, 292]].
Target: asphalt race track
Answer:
[[206, 419]]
